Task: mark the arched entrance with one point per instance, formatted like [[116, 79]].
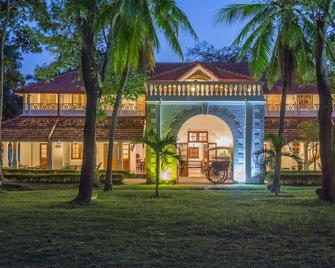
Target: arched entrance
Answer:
[[198, 134]]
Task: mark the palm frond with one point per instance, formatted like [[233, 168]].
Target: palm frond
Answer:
[[238, 12]]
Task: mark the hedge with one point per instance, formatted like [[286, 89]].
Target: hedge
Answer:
[[297, 178], [56, 177]]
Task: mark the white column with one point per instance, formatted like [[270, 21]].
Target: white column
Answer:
[[305, 156], [120, 156], [49, 152], [14, 165], [5, 154]]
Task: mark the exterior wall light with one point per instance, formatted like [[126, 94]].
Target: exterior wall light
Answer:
[[58, 145]]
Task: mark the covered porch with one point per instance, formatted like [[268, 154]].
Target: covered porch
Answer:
[[56, 143]]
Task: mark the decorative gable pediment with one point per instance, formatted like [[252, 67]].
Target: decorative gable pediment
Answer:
[[198, 73]]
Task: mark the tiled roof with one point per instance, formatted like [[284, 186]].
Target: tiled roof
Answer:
[[65, 83], [68, 128], [296, 89], [224, 72], [291, 131], [69, 82]]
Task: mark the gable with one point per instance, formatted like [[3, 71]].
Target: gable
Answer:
[[198, 73]]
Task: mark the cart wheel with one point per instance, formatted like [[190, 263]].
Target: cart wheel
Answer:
[[216, 176]]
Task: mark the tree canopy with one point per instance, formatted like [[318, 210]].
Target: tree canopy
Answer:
[[205, 52]]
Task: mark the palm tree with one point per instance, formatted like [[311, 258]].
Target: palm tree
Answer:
[[320, 14], [161, 148], [275, 39], [277, 146], [136, 37]]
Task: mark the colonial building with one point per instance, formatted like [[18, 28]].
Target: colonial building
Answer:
[[204, 104]]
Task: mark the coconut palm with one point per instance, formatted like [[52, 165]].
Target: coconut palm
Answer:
[[275, 38], [136, 37], [162, 149], [278, 145]]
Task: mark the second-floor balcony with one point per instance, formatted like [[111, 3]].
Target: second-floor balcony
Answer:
[[293, 109], [196, 90], [131, 108]]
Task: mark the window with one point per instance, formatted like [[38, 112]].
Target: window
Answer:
[[197, 136], [305, 99], [296, 148], [76, 150], [48, 98], [44, 150], [193, 152], [192, 136], [273, 102], [202, 137], [125, 150], [78, 99]]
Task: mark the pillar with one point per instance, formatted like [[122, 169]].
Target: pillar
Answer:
[[120, 156], [14, 165], [49, 151], [305, 156], [5, 154]]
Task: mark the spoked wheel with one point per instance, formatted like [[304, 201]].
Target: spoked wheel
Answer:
[[216, 176]]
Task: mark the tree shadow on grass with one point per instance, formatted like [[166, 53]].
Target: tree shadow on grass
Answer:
[[314, 203], [8, 186], [233, 188]]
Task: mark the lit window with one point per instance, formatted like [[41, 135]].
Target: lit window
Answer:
[[296, 148], [203, 136], [76, 150], [125, 150], [305, 99], [192, 136], [78, 99]]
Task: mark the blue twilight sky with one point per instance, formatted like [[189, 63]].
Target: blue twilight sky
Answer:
[[201, 14]]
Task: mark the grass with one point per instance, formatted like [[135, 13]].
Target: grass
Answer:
[[216, 227]]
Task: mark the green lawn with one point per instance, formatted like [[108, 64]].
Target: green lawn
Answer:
[[236, 226]]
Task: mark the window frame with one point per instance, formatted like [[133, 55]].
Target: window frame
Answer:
[[79, 154]]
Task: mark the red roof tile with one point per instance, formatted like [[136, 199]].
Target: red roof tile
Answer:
[[64, 83], [173, 71], [291, 131], [23, 128], [231, 72]]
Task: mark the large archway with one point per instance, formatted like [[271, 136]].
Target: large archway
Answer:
[[196, 136]]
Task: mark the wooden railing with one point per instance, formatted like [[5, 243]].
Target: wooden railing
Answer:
[[128, 108], [203, 89], [294, 107]]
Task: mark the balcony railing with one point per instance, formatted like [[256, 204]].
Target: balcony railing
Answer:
[[201, 90], [128, 108], [294, 109]]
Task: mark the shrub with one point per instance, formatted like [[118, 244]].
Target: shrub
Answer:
[[42, 177], [297, 178]]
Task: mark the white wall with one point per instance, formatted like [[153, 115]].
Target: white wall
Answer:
[[218, 130], [57, 155]]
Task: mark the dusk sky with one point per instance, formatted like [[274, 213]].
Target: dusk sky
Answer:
[[201, 14]]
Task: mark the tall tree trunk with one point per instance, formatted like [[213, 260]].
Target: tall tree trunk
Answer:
[[2, 61], [325, 113], [118, 100], [157, 174], [286, 69], [90, 77]]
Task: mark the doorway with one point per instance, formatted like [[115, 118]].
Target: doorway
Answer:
[[43, 155], [115, 158]]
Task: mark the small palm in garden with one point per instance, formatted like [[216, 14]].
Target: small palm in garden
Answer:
[[277, 144], [162, 149]]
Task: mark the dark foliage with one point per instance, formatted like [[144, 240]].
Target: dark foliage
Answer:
[[205, 52]]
